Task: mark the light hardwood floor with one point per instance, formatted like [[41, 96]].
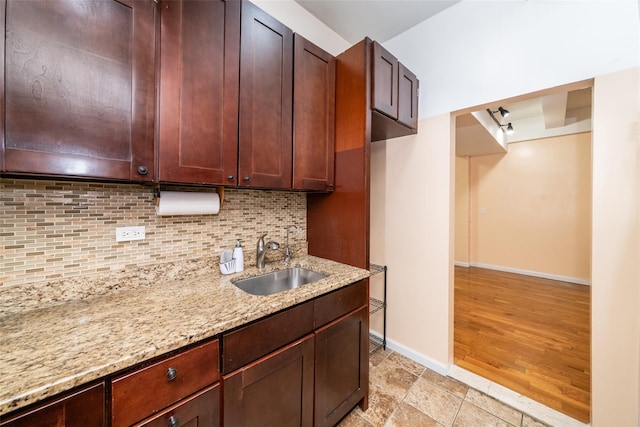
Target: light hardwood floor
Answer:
[[529, 334]]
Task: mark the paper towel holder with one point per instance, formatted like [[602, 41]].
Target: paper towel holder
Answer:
[[220, 191], [156, 195]]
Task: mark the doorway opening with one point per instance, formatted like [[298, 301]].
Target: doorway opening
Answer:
[[523, 246]]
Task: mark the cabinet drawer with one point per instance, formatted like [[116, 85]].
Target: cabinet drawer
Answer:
[[338, 303], [199, 410], [264, 336], [143, 392]]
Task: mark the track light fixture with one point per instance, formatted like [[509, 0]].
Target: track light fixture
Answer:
[[503, 113], [509, 128]]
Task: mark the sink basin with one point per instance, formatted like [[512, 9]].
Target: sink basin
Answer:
[[278, 281]]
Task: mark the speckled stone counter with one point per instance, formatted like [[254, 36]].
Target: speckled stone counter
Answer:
[[55, 336]]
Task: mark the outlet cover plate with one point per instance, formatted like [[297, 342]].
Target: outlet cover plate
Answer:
[[127, 234]]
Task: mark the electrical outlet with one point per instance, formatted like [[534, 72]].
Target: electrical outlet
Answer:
[[126, 234]]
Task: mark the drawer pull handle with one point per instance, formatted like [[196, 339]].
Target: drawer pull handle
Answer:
[[173, 422], [172, 373]]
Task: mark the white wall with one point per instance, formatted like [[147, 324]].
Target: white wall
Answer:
[[415, 233], [461, 64], [482, 51], [418, 241], [615, 294]]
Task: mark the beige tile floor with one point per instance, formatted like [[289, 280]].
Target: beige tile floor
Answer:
[[403, 393]]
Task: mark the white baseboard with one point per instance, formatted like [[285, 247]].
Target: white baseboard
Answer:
[[432, 364], [532, 273], [461, 264]]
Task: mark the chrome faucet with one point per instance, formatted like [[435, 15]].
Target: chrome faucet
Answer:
[[287, 250], [261, 250]]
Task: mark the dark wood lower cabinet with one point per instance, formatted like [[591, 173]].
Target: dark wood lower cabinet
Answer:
[[84, 408], [276, 390], [199, 410], [341, 367]]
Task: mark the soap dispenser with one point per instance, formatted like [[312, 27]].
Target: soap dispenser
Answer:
[[239, 257]]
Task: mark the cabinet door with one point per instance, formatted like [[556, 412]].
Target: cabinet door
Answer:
[[384, 93], [199, 60], [80, 88], [84, 408], [275, 391], [342, 367], [314, 83], [199, 410], [266, 84], [407, 97]]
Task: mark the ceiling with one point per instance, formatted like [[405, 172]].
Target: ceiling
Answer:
[[476, 133], [379, 20], [558, 114]]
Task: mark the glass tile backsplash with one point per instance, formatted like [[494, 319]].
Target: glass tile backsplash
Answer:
[[56, 229]]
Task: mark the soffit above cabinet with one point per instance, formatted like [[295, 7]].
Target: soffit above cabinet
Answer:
[[380, 20]]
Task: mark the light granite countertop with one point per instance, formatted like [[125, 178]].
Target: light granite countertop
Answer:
[[58, 335]]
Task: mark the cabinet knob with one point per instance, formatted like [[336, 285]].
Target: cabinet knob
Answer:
[[230, 178], [173, 422], [331, 185], [247, 179], [172, 373], [142, 170]]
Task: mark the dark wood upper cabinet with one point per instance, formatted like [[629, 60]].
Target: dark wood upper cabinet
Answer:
[[314, 82], [385, 82], [368, 84], [79, 88], [345, 211], [394, 96], [407, 97], [266, 97], [198, 97]]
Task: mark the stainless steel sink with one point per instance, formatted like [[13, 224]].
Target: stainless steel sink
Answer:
[[278, 281]]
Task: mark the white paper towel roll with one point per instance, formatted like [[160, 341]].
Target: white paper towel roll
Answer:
[[187, 203]]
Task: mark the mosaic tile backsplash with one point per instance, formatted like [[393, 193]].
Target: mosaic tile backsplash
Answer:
[[54, 229]]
